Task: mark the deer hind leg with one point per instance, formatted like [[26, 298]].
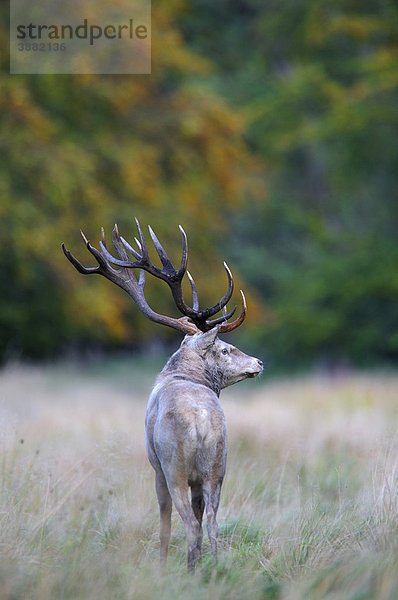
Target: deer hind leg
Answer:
[[211, 494], [198, 506], [180, 496], [165, 506]]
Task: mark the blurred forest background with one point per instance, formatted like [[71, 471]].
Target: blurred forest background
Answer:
[[268, 130]]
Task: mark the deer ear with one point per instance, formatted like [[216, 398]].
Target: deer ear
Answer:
[[186, 339], [205, 340]]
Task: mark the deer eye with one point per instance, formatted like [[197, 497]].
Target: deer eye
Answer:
[[224, 351]]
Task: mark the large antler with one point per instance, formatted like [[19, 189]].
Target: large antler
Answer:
[[194, 319]]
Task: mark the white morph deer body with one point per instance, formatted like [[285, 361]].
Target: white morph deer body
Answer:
[[186, 435]]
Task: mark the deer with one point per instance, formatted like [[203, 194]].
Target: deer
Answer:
[[185, 426]]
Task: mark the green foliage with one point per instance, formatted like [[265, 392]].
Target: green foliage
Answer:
[[317, 85]]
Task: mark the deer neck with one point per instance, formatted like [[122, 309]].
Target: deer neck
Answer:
[[187, 364]]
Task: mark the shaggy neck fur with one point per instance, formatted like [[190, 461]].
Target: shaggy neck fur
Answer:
[[187, 364]]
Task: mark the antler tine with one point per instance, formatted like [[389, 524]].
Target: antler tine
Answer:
[[142, 260], [102, 264], [125, 243], [223, 319], [226, 327], [121, 245], [161, 252], [132, 251], [144, 249], [102, 268], [85, 240], [184, 258], [77, 264], [195, 297], [117, 242], [104, 250], [103, 237], [209, 312]]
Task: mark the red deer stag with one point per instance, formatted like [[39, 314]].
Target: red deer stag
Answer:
[[186, 437]]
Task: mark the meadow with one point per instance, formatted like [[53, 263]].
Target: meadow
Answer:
[[308, 508]]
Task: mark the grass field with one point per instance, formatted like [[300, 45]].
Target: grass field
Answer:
[[308, 509]]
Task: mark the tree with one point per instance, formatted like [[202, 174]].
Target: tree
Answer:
[[317, 85], [83, 151]]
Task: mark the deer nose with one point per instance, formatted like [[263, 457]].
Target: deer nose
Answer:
[[260, 362]]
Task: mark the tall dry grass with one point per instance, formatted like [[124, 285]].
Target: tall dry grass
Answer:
[[308, 509]]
